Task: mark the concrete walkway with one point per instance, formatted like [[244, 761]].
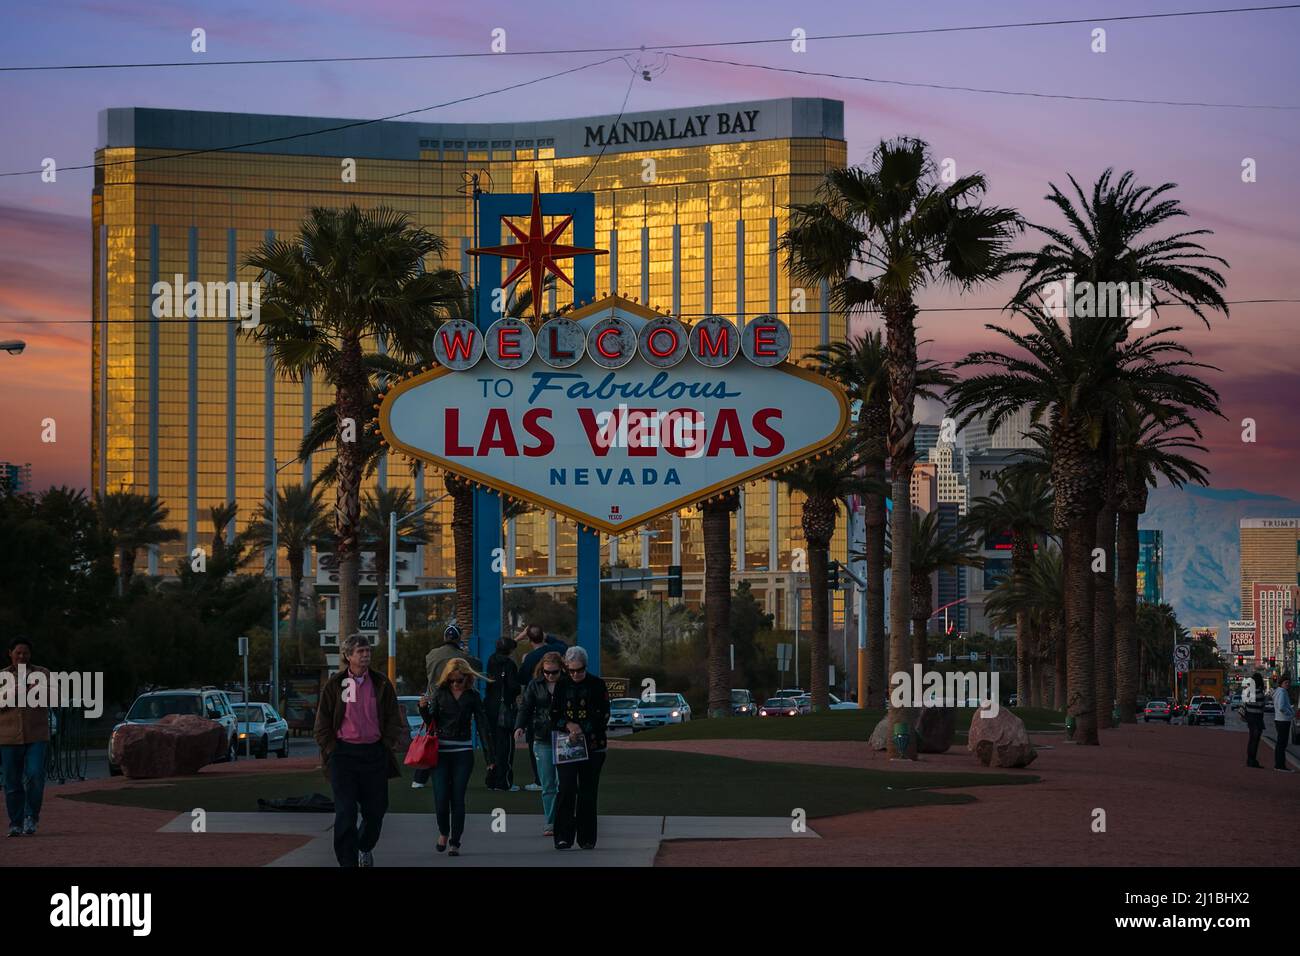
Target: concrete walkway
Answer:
[[408, 838]]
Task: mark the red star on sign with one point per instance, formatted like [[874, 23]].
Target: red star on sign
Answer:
[[536, 251]]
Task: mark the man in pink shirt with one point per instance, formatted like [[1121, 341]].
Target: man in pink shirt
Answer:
[[358, 724]]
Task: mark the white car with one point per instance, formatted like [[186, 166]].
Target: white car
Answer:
[[262, 730], [660, 710]]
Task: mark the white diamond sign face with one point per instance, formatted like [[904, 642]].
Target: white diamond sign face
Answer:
[[614, 447]]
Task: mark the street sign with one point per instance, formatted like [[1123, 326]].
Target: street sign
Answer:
[[243, 647], [1182, 653], [1180, 667]]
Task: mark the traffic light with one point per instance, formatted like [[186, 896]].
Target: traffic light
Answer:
[[1241, 660], [674, 580], [1272, 661], [833, 576]]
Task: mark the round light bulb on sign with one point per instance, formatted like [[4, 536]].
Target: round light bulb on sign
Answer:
[[765, 341], [715, 341], [561, 342], [663, 342], [611, 343], [509, 343], [458, 344]]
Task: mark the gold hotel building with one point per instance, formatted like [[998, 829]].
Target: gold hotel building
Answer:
[[689, 202]]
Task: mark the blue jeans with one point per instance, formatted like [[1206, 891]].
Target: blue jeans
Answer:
[[24, 770], [549, 779], [450, 780]]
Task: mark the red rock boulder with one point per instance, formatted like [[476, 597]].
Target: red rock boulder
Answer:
[[1000, 740], [177, 745]]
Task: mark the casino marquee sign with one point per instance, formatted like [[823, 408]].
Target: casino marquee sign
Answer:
[[613, 414]]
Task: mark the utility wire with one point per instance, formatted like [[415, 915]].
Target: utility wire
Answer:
[[977, 89], [919, 31], [605, 145], [683, 315], [331, 129]]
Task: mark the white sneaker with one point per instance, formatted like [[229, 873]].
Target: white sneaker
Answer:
[[1284, 770], [532, 786], [365, 858], [416, 785], [514, 788]]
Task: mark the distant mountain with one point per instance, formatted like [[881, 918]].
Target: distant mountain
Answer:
[[1202, 547]]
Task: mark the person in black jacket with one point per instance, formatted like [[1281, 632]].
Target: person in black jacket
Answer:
[[580, 707], [534, 722], [539, 643], [502, 700], [1252, 710], [451, 708]]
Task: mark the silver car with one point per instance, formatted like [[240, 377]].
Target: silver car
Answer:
[[208, 702], [262, 730], [620, 711], [659, 710]]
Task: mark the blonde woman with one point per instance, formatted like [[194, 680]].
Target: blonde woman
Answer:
[[452, 707], [534, 719]]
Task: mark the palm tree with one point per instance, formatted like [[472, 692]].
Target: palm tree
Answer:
[[716, 531], [825, 482], [221, 516], [1021, 505], [300, 521], [1037, 597], [349, 275], [859, 365], [132, 522], [1075, 372], [376, 510], [898, 224], [935, 548], [1147, 449], [1108, 240]]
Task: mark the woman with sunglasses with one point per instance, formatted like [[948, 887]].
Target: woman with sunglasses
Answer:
[[452, 707], [580, 708], [535, 716]]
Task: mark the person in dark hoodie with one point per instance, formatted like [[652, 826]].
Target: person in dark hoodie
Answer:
[[452, 707], [502, 704], [540, 643], [1252, 710], [580, 707]]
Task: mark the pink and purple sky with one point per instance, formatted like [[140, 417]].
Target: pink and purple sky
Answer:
[[1020, 143]]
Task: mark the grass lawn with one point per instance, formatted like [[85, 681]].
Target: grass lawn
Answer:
[[832, 725], [647, 782]]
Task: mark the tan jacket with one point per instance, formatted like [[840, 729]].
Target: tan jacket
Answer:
[[23, 725], [440, 655]]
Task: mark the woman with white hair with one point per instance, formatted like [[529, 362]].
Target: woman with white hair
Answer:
[[580, 708]]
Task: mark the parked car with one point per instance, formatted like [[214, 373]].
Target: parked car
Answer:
[[409, 704], [263, 728], [1208, 712], [1157, 710], [620, 711], [743, 704], [200, 702], [837, 704], [660, 710], [779, 707], [790, 692], [805, 703], [1195, 703]]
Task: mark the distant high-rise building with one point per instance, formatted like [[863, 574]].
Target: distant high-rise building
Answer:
[[1151, 567], [983, 470], [952, 484], [14, 478], [951, 584], [1271, 607], [1270, 554], [927, 436], [925, 486], [977, 438]]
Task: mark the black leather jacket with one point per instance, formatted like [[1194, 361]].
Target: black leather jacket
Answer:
[[535, 711], [452, 717]]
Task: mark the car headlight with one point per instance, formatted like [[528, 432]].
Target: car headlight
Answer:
[[636, 715], [793, 713], [677, 713]]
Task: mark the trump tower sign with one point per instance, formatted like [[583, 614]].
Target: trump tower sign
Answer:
[[614, 414]]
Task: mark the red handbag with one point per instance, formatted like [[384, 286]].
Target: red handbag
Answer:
[[423, 752]]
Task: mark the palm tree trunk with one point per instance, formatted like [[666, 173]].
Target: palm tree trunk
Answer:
[[716, 528], [1060, 684], [1126, 646], [349, 392], [125, 566], [1104, 616], [901, 363], [819, 639], [875, 517], [381, 593], [1081, 699], [920, 618], [1021, 555], [462, 534], [295, 599]]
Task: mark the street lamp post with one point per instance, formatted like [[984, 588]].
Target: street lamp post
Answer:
[[275, 578], [393, 521]]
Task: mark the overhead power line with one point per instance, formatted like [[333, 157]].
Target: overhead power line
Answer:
[[318, 132], [873, 34], [977, 89], [684, 315]]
